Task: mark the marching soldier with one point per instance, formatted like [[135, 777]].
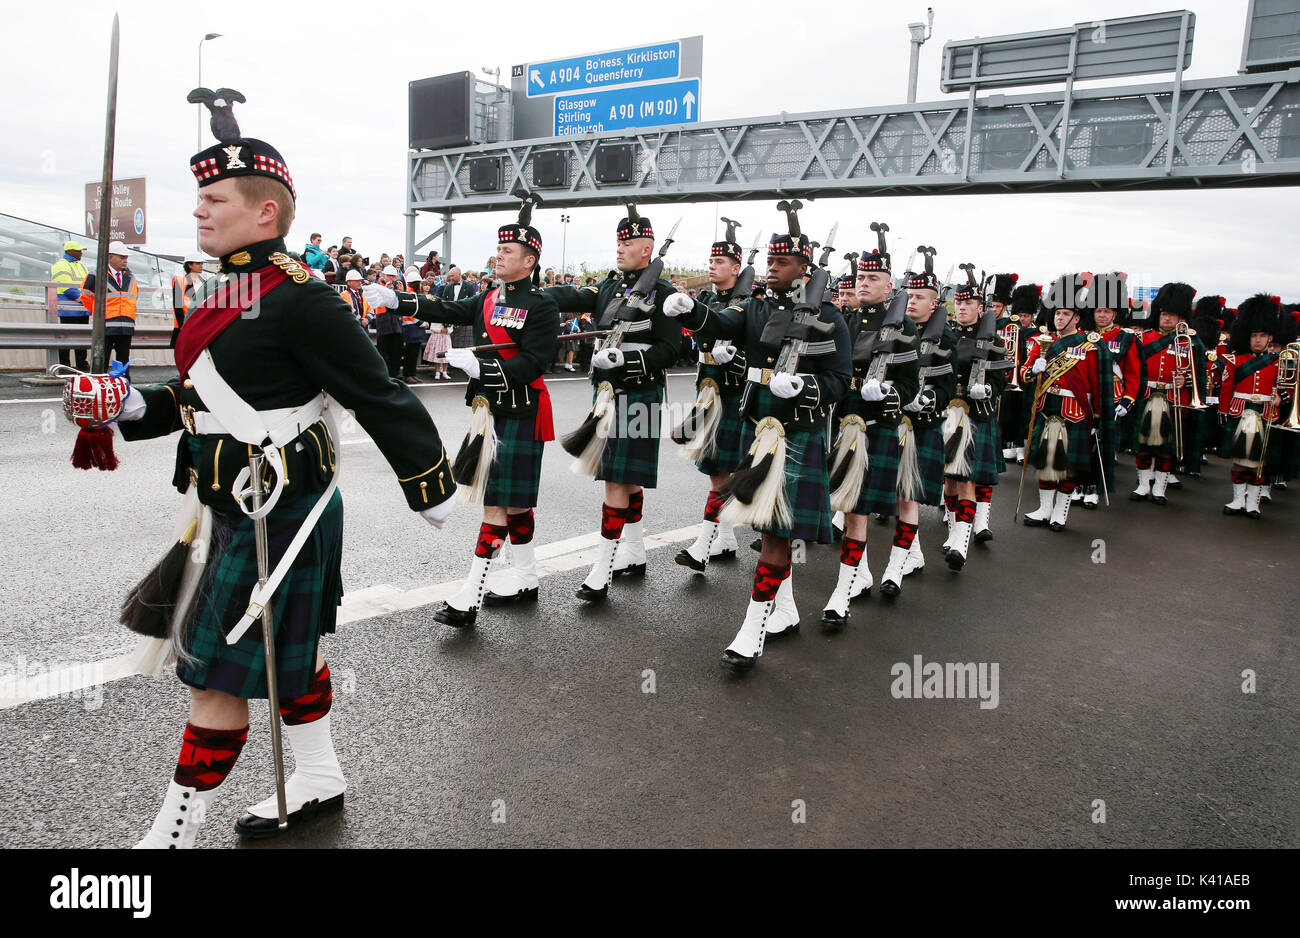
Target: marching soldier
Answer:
[[618, 443], [864, 462], [258, 385], [500, 461], [970, 427], [1107, 314], [1174, 359], [920, 431], [1014, 417], [1249, 399], [711, 433], [1071, 436], [797, 347]]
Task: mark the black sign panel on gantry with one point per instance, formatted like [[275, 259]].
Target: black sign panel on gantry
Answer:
[[440, 111]]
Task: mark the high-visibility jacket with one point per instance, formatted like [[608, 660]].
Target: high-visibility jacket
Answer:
[[362, 314], [184, 287], [70, 273], [119, 302]]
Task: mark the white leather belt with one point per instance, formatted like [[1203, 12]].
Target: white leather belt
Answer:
[[760, 375], [1160, 385], [1256, 398], [706, 358], [634, 346], [284, 424], [1060, 392]]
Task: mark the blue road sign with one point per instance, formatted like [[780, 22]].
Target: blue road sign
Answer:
[[633, 66], [673, 102], [1145, 293]]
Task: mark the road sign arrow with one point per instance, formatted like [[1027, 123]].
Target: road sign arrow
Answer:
[[535, 75], [688, 100]]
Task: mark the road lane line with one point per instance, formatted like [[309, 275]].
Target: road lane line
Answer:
[[377, 600]]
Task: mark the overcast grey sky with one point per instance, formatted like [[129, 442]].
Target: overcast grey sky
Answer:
[[327, 84]]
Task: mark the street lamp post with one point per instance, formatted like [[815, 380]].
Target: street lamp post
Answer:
[[198, 135], [564, 246]]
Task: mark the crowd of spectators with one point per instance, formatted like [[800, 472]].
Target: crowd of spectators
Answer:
[[405, 345]]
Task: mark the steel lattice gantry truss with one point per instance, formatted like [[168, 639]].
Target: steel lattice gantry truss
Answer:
[[1236, 131]]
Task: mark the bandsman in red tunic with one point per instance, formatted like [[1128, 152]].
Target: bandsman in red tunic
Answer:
[[1249, 398]]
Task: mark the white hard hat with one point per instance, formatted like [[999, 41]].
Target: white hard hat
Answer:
[[413, 274], [194, 258], [353, 275], [117, 247], [389, 271]]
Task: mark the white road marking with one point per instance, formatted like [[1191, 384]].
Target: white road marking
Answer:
[[34, 400], [378, 600]]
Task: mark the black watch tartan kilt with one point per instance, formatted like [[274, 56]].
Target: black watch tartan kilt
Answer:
[[728, 448], [516, 473], [879, 492], [986, 456], [929, 460], [304, 607], [807, 485], [631, 454]]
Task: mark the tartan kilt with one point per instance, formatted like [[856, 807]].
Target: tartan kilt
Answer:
[[929, 460], [516, 473], [807, 485], [879, 491], [728, 450], [631, 454], [303, 608], [986, 460], [1078, 438]]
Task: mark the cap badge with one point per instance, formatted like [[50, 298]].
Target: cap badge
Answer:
[[240, 259], [232, 158]]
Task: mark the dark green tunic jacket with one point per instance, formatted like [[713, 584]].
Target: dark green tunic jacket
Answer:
[[299, 339], [529, 316], [641, 369]]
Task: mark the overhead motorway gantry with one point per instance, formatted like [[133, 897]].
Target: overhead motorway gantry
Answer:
[[1240, 130]]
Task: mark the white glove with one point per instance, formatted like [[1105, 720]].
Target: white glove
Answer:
[[465, 360], [918, 403], [872, 391], [1039, 366], [1120, 410], [610, 357], [133, 407], [379, 295], [679, 304], [786, 385], [439, 513], [723, 352], [979, 392]]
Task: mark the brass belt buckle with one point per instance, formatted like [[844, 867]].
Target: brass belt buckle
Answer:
[[767, 377], [187, 418], [709, 359]]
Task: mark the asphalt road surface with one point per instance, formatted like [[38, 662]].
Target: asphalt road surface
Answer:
[[1149, 700]]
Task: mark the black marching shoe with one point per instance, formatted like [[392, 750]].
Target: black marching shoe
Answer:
[[832, 621], [496, 599], [456, 618], [252, 826], [685, 559], [757, 543], [589, 595], [632, 569], [983, 536]]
